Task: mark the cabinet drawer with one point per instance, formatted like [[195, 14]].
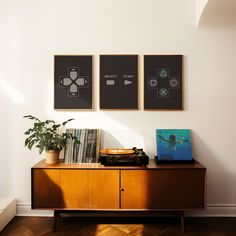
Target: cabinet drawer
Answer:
[[74, 188], [46, 192], [104, 189], [162, 189]]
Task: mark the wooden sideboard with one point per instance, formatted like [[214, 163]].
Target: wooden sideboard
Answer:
[[176, 188]]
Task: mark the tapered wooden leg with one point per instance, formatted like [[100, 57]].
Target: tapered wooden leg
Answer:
[[182, 221], [176, 215], [56, 215]]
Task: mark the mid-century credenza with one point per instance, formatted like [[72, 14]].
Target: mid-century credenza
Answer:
[[170, 187]]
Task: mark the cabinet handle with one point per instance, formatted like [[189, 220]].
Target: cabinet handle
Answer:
[[121, 189]]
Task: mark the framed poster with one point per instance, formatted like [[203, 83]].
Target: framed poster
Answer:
[[72, 82], [174, 145], [118, 81], [163, 82]]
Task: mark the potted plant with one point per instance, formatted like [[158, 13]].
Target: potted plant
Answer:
[[49, 137]]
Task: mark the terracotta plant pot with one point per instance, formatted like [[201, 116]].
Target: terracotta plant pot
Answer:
[[52, 157]]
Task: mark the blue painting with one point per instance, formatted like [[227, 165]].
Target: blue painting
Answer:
[[174, 145]]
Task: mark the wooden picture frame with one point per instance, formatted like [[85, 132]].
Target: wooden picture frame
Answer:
[[163, 82], [119, 82], [73, 82]]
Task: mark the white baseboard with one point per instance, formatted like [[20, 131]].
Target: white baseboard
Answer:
[[24, 209], [212, 210], [215, 210]]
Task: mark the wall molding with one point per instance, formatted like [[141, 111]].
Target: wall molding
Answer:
[[212, 210]]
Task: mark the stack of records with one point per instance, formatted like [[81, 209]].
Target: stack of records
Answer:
[[87, 151]]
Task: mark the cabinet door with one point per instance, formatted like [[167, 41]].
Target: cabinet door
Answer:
[[104, 189], [46, 191], [74, 188], [162, 189]]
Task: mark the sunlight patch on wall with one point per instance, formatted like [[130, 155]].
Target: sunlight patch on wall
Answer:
[[115, 133], [12, 93]]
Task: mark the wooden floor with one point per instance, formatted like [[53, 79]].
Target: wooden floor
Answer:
[[27, 226]]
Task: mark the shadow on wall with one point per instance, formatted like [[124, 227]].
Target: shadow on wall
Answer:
[[219, 14]]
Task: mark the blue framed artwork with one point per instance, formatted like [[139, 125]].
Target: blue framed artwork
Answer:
[[174, 145]]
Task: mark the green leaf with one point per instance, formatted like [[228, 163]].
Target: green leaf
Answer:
[[31, 117], [65, 122], [47, 135], [55, 127], [49, 121], [28, 131]]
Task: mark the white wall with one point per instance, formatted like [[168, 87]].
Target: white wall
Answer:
[[216, 14], [33, 31]]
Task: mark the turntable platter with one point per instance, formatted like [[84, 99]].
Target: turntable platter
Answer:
[[117, 151]]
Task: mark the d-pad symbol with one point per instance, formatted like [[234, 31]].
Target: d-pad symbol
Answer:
[[73, 81]]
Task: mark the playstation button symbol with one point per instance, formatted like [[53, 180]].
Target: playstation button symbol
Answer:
[[153, 83], [163, 92], [173, 82], [163, 73]]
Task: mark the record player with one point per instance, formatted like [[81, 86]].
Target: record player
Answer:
[[123, 157]]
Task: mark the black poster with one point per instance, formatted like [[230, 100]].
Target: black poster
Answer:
[[73, 82], [163, 82], [119, 82]]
